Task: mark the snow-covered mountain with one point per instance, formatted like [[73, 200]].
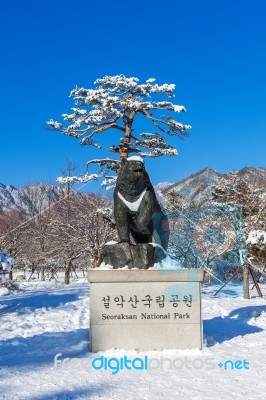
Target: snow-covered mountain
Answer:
[[197, 187], [27, 198]]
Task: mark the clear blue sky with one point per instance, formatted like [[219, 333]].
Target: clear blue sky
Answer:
[[213, 50]]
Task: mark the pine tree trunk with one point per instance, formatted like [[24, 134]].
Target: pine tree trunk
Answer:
[[246, 282], [97, 260], [67, 272], [42, 273]]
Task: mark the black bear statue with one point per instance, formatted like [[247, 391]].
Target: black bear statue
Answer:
[[137, 212]]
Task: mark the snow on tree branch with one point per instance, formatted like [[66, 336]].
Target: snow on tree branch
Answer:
[[114, 105], [73, 179], [105, 165], [160, 152]]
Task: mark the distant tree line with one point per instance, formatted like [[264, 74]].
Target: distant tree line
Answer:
[[56, 236], [70, 231]]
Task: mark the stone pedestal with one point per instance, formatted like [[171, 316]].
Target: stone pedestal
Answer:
[[141, 255], [145, 309]]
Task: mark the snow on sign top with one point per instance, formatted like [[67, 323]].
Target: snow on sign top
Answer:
[[135, 158]]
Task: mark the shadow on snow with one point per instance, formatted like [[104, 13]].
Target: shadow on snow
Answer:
[[101, 389], [39, 350], [35, 300], [221, 329], [83, 393]]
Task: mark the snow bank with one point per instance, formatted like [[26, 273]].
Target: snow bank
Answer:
[[4, 291]]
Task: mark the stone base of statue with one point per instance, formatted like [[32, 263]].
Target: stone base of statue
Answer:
[[145, 309], [120, 255]]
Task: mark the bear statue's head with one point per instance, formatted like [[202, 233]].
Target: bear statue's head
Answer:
[[132, 178]]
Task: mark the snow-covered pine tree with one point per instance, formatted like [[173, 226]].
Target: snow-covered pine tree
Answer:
[[114, 105]]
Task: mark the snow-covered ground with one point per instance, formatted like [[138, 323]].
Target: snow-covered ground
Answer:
[[44, 319]]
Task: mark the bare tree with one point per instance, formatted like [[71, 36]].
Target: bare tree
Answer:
[[252, 196], [61, 234], [78, 230], [95, 213], [40, 199], [12, 233]]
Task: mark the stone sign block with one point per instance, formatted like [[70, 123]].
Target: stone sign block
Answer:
[[145, 309]]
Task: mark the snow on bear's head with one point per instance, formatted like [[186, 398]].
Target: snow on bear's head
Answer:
[[132, 177]]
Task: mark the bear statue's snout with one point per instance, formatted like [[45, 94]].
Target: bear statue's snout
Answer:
[[139, 167]]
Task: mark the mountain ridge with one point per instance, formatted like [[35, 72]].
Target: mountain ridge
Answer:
[[196, 186], [196, 189], [35, 198]]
